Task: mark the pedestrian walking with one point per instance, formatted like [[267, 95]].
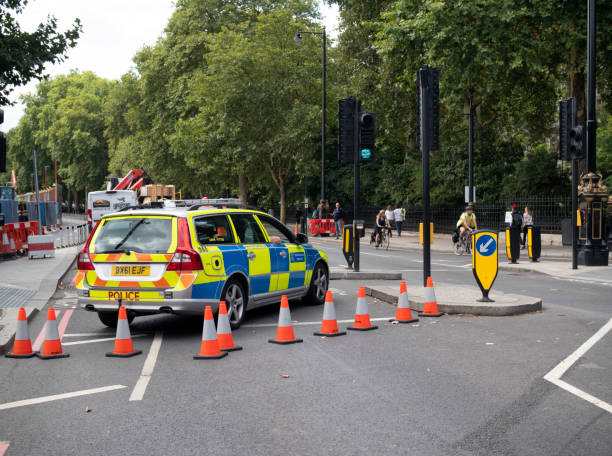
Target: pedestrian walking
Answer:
[[400, 215], [338, 216], [527, 223], [517, 218], [390, 216]]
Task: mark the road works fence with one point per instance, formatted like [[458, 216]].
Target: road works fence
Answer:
[[548, 213]]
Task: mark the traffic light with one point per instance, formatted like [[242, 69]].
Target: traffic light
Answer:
[[428, 106], [367, 136], [576, 148], [2, 146], [568, 112], [346, 130]]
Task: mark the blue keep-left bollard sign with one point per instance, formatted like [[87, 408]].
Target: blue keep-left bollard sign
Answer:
[[486, 245]]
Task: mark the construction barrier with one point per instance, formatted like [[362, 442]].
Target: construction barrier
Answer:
[[72, 235], [322, 226], [41, 246]]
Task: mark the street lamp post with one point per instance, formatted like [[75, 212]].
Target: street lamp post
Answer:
[[298, 38]]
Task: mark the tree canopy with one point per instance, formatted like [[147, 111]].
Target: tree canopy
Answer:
[[23, 55]]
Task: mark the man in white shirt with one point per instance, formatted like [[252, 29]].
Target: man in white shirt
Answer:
[[399, 219], [390, 215]]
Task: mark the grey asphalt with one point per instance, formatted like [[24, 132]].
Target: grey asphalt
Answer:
[[455, 385]]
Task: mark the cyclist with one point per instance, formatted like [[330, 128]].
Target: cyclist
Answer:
[[467, 222], [381, 224]]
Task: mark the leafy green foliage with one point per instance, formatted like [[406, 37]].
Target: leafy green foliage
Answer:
[[23, 55]]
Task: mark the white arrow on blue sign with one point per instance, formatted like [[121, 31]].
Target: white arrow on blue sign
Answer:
[[486, 245]]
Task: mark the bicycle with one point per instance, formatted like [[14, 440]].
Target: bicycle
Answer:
[[383, 239], [464, 245]]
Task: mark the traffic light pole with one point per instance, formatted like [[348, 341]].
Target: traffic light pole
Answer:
[[356, 188], [574, 213], [425, 93], [591, 123], [471, 152]]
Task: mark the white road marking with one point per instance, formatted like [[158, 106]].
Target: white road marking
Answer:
[[91, 341], [308, 323], [56, 397], [147, 369], [375, 254], [84, 334], [336, 291], [554, 376]]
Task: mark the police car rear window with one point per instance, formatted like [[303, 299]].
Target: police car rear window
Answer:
[[135, 234]]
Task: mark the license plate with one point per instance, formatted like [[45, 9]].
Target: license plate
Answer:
[[131, 270]]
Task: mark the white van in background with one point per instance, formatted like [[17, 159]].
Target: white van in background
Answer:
[[107, 201]]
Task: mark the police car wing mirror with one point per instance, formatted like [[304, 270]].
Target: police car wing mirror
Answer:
[[301, 238]]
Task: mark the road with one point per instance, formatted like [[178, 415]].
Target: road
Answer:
[[456, 385]]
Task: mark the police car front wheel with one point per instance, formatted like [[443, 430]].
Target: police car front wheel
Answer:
[[318, 285]]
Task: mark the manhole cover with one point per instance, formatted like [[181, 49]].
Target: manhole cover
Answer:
[[15, 297]]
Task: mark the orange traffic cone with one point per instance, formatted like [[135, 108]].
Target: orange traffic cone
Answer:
[[403, 313], [362, 317], [284, 331], [123, 339], [210, 347], [329, 325], [430, 308], [22, 347], [52, 346], [224, 331]]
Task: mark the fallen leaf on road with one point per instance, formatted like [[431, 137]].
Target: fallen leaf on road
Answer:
[[490, 343], [395, 322], [87, 410], [428, 369], [416, 326], [284, 375]]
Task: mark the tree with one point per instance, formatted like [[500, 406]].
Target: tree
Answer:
[[65, 116], [23, 55], [258, 112]]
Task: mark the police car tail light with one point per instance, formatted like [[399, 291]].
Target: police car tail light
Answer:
[[84, 262], [185, 258]]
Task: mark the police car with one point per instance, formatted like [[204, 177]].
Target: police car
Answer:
[[179, 260]]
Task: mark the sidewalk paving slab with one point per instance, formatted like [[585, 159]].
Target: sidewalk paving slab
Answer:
[[460, 299], [38, 279]]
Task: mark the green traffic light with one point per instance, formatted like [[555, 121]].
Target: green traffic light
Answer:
[[366, 154]]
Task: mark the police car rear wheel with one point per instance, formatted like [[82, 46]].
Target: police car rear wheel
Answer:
[[318, 285], [110, 318], [235, 300]]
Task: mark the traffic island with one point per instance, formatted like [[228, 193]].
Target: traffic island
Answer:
[[460, 299], [364, 274]]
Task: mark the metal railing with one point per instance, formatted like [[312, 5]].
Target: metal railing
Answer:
[[72, 235], [547, 211]]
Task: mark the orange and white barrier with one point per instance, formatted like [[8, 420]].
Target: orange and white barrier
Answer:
[[403, 314], [22, 347], [41, 246], [123, 340], [362, 316], [52, 346], [329, 325], [284, 331], [224, 331], [430, 308], [210, 346]]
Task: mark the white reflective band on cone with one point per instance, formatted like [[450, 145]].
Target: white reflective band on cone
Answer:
[[402, 302], [284, 317], [123, 329], [223, 325], [209, 332], [51, 332], [362, 306], [329, 313], [22, 330], [430, 295]]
